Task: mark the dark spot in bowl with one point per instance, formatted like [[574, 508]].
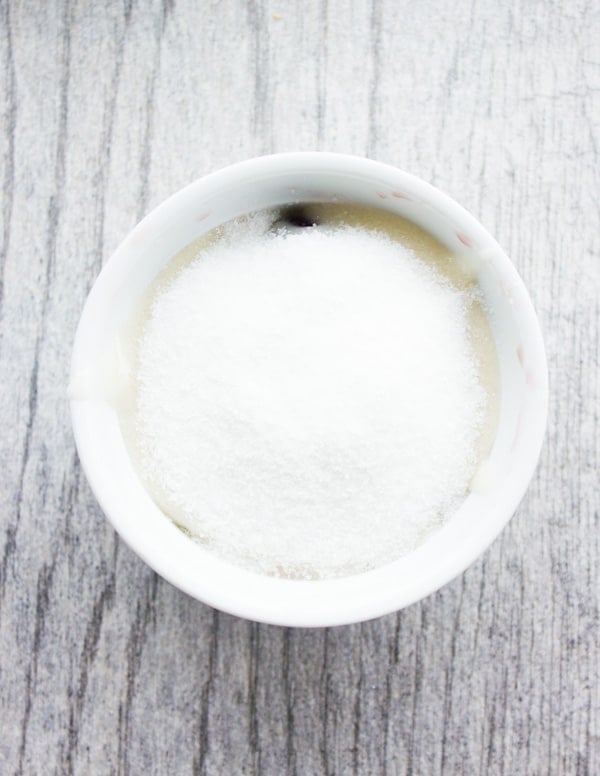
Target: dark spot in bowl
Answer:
[[296, 215]]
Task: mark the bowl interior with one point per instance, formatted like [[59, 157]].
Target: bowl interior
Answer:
[[265, 183]]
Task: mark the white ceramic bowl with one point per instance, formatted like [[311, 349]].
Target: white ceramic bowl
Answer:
[[264, 183]]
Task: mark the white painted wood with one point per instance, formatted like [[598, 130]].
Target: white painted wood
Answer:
[[109, 107]]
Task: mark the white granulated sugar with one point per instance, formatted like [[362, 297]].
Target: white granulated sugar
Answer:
[[308, 402]]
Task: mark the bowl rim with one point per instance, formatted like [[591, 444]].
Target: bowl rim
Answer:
[[238, 591]]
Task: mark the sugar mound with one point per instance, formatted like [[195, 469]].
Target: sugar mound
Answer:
[[308, 402]]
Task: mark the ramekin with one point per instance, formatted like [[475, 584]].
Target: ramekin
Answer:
[[267, 182]]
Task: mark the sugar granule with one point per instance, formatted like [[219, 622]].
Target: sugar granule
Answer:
[[308, 403]]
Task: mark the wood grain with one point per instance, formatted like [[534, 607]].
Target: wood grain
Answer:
[[109, 107]]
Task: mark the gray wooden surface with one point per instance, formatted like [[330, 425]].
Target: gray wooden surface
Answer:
[[109, 107]]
